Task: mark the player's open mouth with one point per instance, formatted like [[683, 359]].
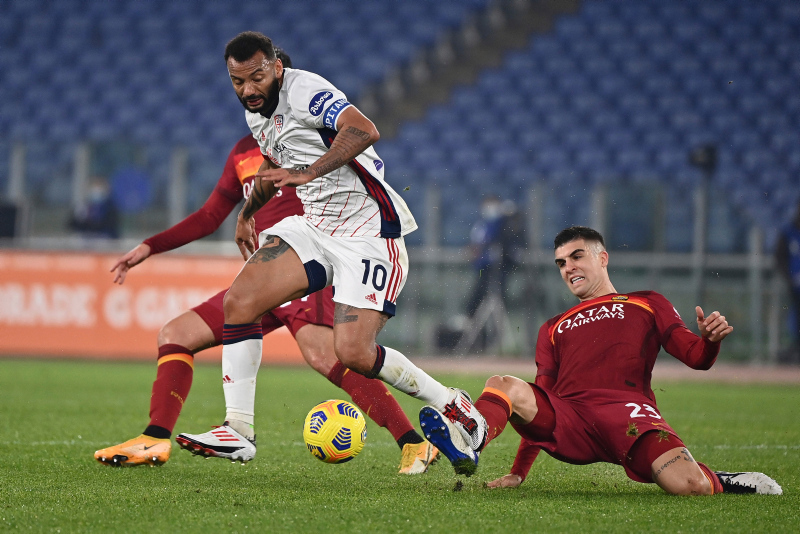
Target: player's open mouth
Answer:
[[254, 102], [576, 279]]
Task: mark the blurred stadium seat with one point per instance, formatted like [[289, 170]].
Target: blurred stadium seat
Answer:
[[616, 90], [628, 89]]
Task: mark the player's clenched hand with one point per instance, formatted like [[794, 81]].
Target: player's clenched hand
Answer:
[[285, 177], [506, 481], [246, 237], [714, 327], [131, 259]]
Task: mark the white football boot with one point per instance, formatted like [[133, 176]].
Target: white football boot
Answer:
[[748, 482], [460, 411], [221, 442], [446, 437]]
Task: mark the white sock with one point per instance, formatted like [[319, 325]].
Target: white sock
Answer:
[[240, 362], [401, 374]]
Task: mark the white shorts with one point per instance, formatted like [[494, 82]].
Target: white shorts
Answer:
[[366, 272]]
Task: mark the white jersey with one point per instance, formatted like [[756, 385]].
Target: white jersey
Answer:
[[351, 201]]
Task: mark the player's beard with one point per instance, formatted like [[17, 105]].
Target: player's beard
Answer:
[[270, 100]]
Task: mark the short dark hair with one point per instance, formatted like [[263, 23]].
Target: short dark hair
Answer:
[[243, 46], [577, 232], [281, 54]]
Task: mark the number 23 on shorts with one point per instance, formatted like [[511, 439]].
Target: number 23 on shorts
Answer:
[[637, 410]]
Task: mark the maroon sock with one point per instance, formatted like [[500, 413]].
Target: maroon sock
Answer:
[[172, 384], [495, 407], [716, 485], [373, 398]]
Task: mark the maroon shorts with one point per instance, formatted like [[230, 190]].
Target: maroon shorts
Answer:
[[598, 426], [316, 308]]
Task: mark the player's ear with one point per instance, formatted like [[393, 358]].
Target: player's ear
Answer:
[[278, 68], [603, 258]]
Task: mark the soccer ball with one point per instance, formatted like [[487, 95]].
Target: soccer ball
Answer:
[[335, 431]]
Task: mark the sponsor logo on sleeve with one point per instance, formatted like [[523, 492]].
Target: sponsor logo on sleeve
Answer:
[[318, 102], [333, 113], [278, 123], [378, 164]]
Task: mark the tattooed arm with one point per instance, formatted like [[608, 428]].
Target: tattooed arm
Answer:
[[356, 134], [263, 190]]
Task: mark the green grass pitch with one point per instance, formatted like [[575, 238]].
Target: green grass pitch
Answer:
[[55, 414]]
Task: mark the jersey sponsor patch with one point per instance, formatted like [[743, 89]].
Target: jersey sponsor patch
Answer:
[[589, 316], [589, 312], [317, 103], [378, 164]]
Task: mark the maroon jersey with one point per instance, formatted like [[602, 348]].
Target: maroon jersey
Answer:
[[612, 342], [235, 184]]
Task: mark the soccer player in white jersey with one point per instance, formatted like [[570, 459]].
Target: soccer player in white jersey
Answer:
[[351, 236]]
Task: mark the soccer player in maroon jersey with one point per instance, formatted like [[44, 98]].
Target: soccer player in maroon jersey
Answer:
[[592, 400], [310, 320]]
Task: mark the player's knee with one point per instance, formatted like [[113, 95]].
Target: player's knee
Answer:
[[698, 485], [238, 307], [689, 485], [498, 382], [508, 385], [171, 333], [355, 356], [320, 360]]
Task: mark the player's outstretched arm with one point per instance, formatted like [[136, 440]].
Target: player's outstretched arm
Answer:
[[526, 455], [355, 134], [714, 328], [506, 481], [133, 258]]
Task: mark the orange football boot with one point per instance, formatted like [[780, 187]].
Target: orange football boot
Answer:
[[142, 450]]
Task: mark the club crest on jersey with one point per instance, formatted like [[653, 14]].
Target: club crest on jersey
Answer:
[[318, 102], [278, 123]]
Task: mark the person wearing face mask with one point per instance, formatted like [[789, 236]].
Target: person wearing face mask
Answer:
[[496, 240], [787, 260], [99, 216]]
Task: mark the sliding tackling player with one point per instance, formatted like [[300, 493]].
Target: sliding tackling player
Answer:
[[592, 400]]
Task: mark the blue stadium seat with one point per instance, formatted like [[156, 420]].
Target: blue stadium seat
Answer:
[[671, 158], [574, 83], [552, 158], [535, 139], [604, 120], [579, 139], [633, 161], [573, 28], [620, 138], [645, 121], [591, 158]]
